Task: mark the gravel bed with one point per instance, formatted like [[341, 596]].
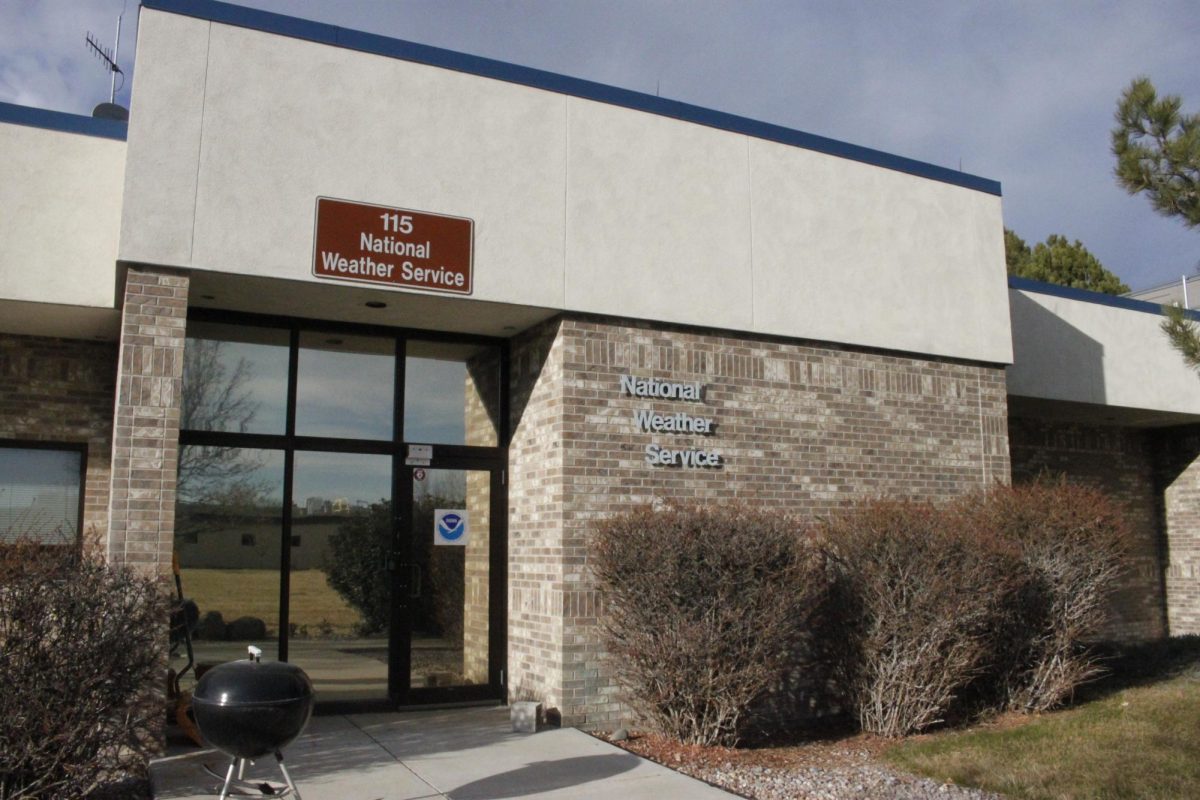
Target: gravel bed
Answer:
[[866, 780], [848, 769]]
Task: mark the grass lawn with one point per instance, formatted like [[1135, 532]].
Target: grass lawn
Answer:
[[255, 593], [1141, 742]]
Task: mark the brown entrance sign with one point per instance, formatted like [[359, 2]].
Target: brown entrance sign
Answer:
[[387, 246]]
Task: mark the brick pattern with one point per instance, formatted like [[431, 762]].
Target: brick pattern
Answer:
[[535, 531], [803, 426], [61, 390], [146, 419], [1119, 462], [1178, 465], [481, 394]]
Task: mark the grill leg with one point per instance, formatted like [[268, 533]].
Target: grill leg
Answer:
[[228, 780], [286, 776]]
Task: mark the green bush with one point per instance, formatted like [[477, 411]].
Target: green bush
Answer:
[[82, 660], [701, 607]]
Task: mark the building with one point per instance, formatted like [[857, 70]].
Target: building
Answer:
[[482, 306], [1184, 292]]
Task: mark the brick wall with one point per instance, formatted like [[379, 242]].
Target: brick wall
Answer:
[[802, 426], [535, 530], [1120, 462], [61, 390], [1178, 464], [146, 419]]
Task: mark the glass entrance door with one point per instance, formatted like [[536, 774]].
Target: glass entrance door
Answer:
[[394, 605], [452, 618]]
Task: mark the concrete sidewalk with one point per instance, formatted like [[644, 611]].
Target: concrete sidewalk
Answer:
[[464, 754]]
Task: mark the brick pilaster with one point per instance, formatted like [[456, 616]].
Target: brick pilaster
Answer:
[[1178, 462], [145, 454]]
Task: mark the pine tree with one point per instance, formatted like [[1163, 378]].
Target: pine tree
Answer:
[[1184, 335], [1158, 151], [1059, 261]]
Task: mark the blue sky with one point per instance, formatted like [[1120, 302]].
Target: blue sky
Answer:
[[1021, 92]]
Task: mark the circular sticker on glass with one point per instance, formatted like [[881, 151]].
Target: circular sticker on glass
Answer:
[[450, 526]]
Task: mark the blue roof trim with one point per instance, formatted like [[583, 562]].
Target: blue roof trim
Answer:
[[61, 121], [323, 33], [1086, 296]]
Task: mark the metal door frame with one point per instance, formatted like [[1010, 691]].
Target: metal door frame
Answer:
[[405, 539]]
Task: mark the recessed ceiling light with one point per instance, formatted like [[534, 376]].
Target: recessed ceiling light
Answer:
[[376, 304]]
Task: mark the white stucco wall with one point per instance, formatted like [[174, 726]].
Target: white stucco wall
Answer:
[[578, 205], [1086, 352], [61, 200]]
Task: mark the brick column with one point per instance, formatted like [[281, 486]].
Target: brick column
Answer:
[[481, 393], [1178, 452], [145, 454]]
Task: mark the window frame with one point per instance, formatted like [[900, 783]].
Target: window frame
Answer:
[[79, 448]]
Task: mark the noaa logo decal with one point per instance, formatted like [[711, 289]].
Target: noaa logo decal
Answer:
[[450, 526]]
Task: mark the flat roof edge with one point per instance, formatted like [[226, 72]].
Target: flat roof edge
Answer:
[[323, 33], [63, 122], [1087, 296]]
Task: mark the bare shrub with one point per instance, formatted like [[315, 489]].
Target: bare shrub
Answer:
[[82, 647], [700, 608], [1071, 541], [918, 598]]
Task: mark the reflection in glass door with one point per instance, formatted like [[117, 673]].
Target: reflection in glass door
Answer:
[[340, 581], [296, 532], [448, 593]]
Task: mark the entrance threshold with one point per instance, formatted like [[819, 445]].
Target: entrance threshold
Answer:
[[343, 707]]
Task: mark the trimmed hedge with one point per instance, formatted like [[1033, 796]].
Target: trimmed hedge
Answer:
[[919, 600], [701, 608], [927, 613]]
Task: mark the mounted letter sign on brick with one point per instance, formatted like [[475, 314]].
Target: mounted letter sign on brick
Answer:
[[393, 247]]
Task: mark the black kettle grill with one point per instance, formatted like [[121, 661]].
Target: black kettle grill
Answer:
[[248, 709]]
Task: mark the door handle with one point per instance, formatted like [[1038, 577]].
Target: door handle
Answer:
[[414, 585]]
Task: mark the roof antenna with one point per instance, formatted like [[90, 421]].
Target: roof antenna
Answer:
[[108, 58]]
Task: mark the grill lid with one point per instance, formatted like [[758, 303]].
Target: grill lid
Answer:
[[240, 683]]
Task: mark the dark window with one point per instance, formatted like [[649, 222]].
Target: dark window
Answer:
[[247, 540], [41, 492], [295, 541]]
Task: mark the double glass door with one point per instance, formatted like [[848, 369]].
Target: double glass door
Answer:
[[340, 505], [413, 617]]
